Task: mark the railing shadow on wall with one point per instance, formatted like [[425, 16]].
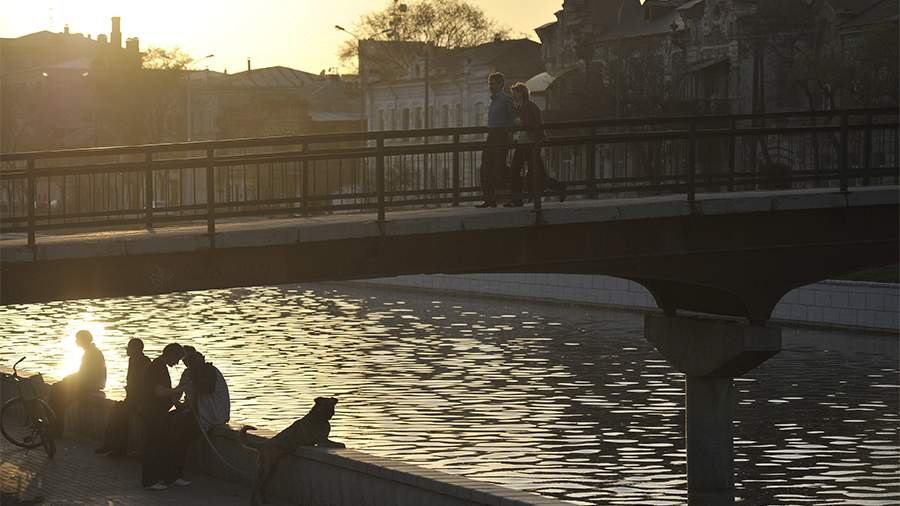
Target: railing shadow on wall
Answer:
[[208, 181]]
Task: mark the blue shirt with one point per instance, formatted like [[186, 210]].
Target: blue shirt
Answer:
[[502, 112]]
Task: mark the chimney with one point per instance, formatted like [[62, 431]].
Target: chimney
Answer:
[[248, 64], [101, 38], [133, 45], [66, 29], [116, 36]]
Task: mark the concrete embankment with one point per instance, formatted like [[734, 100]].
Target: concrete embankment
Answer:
[[832, 304], [314, 476]]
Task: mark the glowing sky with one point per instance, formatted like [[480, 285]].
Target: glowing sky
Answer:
[[293, 33]]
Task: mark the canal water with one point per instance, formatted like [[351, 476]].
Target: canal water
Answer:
[[566, 402]]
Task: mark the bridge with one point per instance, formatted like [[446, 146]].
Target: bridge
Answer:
[[717, 216]]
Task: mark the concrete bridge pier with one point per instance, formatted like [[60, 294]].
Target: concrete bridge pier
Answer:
[[711, 352]]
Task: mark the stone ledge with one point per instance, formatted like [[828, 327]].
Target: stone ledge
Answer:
[[381, 475]]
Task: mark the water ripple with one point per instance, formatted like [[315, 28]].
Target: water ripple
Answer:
[[569, 403]]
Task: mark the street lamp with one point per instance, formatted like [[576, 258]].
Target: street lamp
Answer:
[[189, 114], [364, 124]]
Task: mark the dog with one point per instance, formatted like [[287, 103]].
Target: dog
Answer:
[[311, 430]]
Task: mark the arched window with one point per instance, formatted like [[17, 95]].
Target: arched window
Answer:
[[479, 119]]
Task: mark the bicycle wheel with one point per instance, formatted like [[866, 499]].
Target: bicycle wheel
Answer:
[[17, 427]]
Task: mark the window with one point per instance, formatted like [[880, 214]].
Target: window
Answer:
[[405, 124], [459, 115], [418, 117], [445, 116], [381, 119], [479, 118]]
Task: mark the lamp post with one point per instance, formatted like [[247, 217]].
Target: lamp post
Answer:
[[363, 123], [189, 115], [363, 117]]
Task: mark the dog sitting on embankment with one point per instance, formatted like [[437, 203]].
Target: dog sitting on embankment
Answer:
[[311, 430]]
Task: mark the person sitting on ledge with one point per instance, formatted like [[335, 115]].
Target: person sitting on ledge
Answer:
[[116, 440], [205, 390], [90, 379]]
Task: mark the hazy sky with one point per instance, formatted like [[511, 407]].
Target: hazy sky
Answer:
[[293, 33]]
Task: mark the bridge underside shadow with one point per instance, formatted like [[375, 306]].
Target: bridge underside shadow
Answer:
[[736, 265]]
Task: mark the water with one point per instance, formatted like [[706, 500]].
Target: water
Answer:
[[566, 402]]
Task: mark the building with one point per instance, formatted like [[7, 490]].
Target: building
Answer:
[[401, 74], [48, 84], [621, 58]]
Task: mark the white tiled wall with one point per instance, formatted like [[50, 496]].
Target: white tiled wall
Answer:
[[831, 303]]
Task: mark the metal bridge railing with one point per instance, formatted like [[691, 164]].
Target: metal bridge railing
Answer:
[[148, 185]]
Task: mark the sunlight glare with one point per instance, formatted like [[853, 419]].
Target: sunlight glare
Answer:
[[71, 352]]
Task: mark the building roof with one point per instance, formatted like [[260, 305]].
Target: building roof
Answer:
[[270, 77], [635, 26], [335, 96], [854, 6], [516, 57], [884, 11]]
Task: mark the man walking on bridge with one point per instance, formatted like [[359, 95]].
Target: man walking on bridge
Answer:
[[501, 115]]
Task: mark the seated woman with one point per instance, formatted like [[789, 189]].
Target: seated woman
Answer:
[[90, 379]]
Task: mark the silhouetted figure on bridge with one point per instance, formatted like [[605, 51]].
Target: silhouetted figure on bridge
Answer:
[[529, 115], [89, 380], [116, 440], [501, 114], [168, 433]]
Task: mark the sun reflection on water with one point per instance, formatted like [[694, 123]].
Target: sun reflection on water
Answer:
[[565, 402]]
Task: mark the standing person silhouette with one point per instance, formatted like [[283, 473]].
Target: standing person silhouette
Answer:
[[528, 150], [163, 461], [501, 115], [90, 379]]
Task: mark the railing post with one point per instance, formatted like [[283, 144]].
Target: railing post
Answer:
[[148, 190], [692, 161], [455, 170], [845, 137], [379, 176], [211, 197], [732, 147], [867, 154], [304, 180], [592, 164], [31, 199]]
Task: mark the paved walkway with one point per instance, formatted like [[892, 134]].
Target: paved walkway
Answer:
[[77, 476]]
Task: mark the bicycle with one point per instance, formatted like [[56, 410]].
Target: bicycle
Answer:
[[26, 420]]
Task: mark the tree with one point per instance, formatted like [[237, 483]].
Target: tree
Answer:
[[159, 58], [447, 24]]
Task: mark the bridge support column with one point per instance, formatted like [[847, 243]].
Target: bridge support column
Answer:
[[711, 353]]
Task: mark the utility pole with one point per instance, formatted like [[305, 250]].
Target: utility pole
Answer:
[[189, 99], [425, 178]]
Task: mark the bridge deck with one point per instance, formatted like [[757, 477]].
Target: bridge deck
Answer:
[[237, 233]]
